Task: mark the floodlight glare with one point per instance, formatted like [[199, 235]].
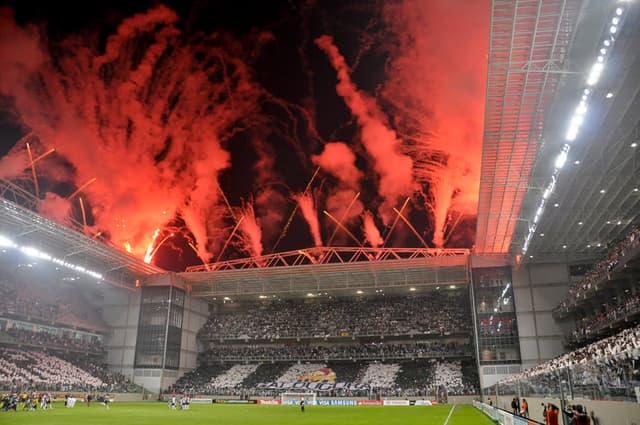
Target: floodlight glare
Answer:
[[562, 158], [594, 74], [5, 241]]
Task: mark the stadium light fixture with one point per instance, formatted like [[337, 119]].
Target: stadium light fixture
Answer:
[[412, 289], [36, 253], [561, 159], [609, 95], [613, 29], [634, 144], [602, 191], [359, 292]]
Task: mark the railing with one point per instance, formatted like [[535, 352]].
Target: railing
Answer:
[[608, 378]]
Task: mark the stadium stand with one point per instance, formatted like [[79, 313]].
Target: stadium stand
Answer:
[[408, 378], [370, 351], [233, 376], [604, 369], [439, 313], [20, 368], [265, 372], [599, 274]]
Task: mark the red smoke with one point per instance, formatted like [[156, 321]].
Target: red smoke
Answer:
[[380, 141], [436, 81], [343, 200]]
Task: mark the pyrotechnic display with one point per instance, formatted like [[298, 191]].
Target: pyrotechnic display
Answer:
[[193, 133]]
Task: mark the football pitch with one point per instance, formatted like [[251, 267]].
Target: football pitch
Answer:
[[159, 414]]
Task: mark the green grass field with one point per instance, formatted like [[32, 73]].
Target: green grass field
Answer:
[[159, 414]]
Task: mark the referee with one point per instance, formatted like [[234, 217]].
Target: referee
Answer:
[[302, 404]]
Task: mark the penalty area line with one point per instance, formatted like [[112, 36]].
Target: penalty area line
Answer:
[[446, 421]]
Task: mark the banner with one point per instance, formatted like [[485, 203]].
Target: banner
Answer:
[[369, 402], [268, 401], [423, 403], [294, 402], [397, 403], [225, 401], [320, 386], [202, 400], [340, 402]]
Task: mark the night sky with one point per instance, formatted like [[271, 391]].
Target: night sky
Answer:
[[202, 123]]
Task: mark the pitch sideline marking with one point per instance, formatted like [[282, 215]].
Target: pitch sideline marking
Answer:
[[446, 421]]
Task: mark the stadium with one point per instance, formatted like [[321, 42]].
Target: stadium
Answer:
[[203, 279]]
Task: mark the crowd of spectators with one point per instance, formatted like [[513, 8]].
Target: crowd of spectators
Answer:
[[21, 303], [607, 368], [609, 315], [50, 340], [600, 271], [113, 382], [52, 304], [437, 313], [382, 379], [25, 369], [371, 351]]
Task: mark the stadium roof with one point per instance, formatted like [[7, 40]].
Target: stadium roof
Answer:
[[66, 245], [338, 271], [540, 61]]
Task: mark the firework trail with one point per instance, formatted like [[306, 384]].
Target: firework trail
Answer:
[[371, 231], [310, 214], [251, 231]]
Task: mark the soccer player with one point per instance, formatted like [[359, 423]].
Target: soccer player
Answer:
[[302, 404]]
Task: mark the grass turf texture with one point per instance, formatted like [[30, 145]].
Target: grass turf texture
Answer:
[[158, 414]]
